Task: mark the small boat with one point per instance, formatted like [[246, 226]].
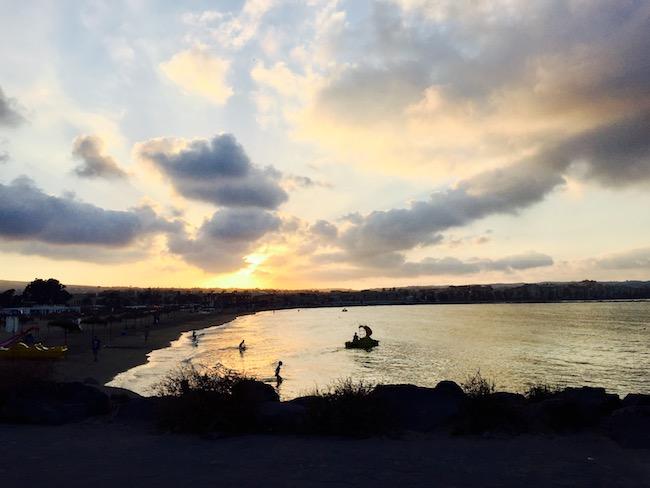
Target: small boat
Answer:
[[366, 343], [20, 350], [344, 310]]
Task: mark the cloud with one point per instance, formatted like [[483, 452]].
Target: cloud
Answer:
[[228, 30], [9, 114], [305, 182], [324, 229], [28, 214], [395, 266], [222, 242], [94, 164], [633, 259], [616, 152], [214, 170], [200, 73], [492, 192]]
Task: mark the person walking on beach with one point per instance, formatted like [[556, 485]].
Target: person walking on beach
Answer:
[[96, 344], [278, 378], [242, 346]]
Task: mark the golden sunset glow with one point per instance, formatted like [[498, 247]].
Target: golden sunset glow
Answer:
[[325, 144]]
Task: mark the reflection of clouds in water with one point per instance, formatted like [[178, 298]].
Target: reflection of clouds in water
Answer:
[[572, 343]]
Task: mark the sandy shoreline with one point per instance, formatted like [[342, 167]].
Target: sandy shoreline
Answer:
[[123, 349]]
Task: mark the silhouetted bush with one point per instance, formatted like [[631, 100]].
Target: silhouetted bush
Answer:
[[477, 386], [199, 399], [347, 408], [537, 392]]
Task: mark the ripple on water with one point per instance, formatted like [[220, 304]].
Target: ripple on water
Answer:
[[602, 344]]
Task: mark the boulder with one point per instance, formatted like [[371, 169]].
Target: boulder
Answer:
[[571, 409], [94, 401], [636, 400], [495, 412], [630, 426], [281, 416], [54, 403], [591, 403], [422, 409], [253, 392]]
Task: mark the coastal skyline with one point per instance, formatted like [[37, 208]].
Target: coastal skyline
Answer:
[[281, 144]]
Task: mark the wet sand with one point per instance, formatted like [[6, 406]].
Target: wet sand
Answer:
[[99, 454]]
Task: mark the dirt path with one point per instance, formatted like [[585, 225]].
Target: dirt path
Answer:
[[101, 455]]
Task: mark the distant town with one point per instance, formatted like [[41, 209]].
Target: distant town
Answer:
[[51, 299]]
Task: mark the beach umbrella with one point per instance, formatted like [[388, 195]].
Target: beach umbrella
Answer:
[[367, 329]]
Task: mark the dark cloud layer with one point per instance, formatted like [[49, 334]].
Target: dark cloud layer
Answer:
[[26, 213], [216, 171], [618, 152], [9, 114], [634, 259], [562, 55], [223, 241], [94, 164]]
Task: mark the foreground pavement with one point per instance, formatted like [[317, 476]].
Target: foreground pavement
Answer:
[[97, 454]]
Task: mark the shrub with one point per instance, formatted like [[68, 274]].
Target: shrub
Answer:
[[537, 392], [476, 386], [199, 399], [347, 408]]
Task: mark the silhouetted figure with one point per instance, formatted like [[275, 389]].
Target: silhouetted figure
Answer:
[[96, 345], [242, 346], [194, 337], [355, 337], [278, 378]]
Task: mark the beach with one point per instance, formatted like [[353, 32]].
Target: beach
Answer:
[[122, 348]]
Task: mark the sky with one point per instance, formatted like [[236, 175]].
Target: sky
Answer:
[[324, 143]]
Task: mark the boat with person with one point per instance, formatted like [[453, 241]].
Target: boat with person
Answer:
[[365, 342]]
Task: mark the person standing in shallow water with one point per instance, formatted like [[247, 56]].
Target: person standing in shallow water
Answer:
[[278, 378]]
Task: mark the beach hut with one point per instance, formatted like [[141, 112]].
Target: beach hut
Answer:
[[12, 324]]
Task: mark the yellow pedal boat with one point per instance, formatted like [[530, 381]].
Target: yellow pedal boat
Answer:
[[20, 350]]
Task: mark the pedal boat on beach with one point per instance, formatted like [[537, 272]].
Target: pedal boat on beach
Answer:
[[20, 350]]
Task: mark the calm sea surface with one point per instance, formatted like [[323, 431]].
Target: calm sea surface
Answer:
[[598, 343]]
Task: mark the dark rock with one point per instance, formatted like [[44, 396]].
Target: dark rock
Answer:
[[630, 426], [590, 403], [571, 409], [496, 412], [449, 388], [307, 401], [636, 400], [421, 409], [91, 381], [507, 400], [95, 402], [281, 416], [54, 403], [138, 410], [253, 391]]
